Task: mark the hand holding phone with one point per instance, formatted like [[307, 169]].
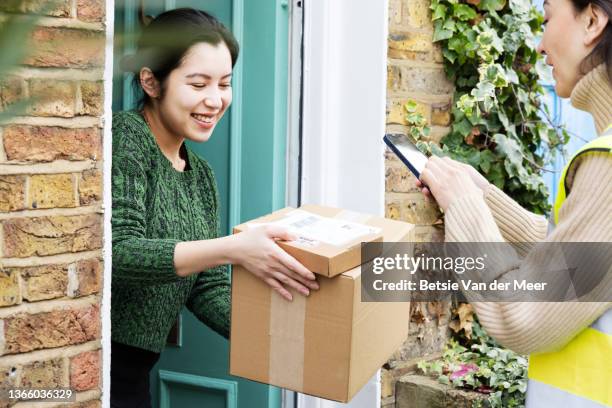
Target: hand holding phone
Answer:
[[407, 152]]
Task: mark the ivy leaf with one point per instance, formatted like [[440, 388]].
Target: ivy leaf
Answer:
[[496, 175], [439, 12], [509, 148], [464, 12], [464, 127], [486, 159], [492, 5], [441, 33]]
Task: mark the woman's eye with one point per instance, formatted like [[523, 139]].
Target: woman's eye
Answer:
[[225, 86], [198, 85]]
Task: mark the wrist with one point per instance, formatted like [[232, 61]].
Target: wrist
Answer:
[[230, 248]]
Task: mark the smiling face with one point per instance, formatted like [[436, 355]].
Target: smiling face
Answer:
[[197, 93]]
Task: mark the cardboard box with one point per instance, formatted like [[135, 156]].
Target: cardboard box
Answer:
[[330, 238], [328, 344]]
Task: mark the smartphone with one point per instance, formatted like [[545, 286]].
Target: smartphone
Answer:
[[407, 152]]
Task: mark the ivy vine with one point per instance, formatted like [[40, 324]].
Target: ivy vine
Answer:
[[500, 126], [478, 363]]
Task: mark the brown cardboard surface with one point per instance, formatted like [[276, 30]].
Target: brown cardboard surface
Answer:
[[341, 343], [324, 259]]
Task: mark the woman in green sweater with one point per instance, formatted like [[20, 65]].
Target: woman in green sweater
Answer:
[[165, 217]]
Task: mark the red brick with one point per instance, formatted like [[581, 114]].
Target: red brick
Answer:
[[66, 48], [48, 143], [85, 371], [52, 235], [24, 333], [91, 10]]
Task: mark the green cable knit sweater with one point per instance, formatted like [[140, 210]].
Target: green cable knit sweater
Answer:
[[154, 208]]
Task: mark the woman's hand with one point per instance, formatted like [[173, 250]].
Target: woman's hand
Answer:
[[257, 251], [478, 179], [448, 180]]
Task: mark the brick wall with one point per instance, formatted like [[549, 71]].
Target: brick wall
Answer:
[[414, 72], [51, 218]]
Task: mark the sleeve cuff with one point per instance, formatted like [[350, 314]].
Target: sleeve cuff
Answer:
[[468, 219]]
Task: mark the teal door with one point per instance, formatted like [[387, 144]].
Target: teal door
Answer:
[[247, 153]]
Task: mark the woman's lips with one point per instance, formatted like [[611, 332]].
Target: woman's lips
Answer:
[[204, 122]]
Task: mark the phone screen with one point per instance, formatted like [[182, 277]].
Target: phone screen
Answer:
[[407, 152]]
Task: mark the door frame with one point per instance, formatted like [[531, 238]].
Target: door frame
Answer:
[[345, 69]]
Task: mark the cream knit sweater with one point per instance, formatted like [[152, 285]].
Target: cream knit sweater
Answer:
[[584, 217]]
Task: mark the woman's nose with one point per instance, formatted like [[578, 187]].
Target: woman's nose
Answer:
[[540, 47], [213, 101]]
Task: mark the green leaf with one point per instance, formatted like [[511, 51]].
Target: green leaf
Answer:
[[492, 5], [443, 379], [486, 159], [439, 12], [464, 12], [441, 33]]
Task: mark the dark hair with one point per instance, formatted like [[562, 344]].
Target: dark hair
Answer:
[[602, 54], [166, 39]]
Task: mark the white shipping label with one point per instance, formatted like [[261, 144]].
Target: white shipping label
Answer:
[[312, 228]]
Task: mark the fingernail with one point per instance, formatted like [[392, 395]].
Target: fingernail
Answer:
[[315, 286], [312, 276], [306, 292]]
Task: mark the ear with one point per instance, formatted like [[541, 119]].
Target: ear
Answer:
[[596, 21], [149, 83]]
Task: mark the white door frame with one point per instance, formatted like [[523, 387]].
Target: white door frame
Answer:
[[343, 121]]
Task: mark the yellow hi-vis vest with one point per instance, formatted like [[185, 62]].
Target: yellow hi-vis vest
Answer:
[[580, 374]]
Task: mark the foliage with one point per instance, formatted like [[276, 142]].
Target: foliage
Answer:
[[473, 360], [489, 50]]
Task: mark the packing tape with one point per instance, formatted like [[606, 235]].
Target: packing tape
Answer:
[[286, 358], [286, 355]]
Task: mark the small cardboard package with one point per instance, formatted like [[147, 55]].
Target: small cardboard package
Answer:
[[328, 344], [329, 238]]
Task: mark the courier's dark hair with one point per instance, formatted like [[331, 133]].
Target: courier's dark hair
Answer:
[[602, 54], [164, 42]]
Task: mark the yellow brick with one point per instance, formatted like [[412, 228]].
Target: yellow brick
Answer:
[[52, 98], [397, 114], [394, 77], [392, 211], [441, 114], [406, 41], [12, 193], [51, 235], [419, 15], [90, 187], [9, 288], [49, 191], [416, 209]]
